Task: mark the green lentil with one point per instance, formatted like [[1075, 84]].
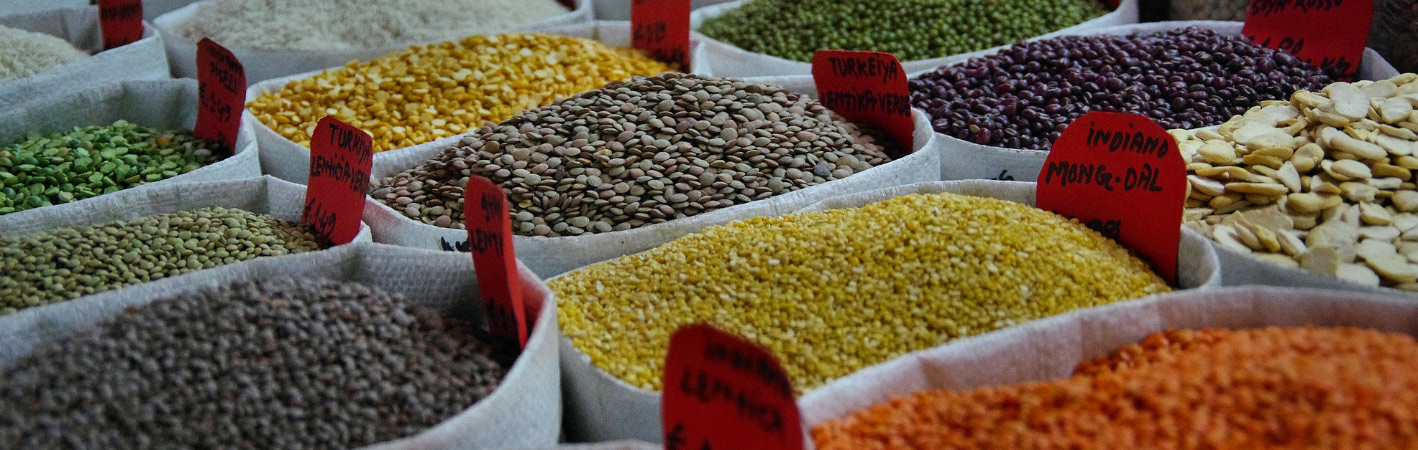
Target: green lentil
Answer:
[[911, 29], [43, 170], [832, 292], [67, 263]]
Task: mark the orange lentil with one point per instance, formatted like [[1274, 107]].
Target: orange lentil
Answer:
[[1261, 388]]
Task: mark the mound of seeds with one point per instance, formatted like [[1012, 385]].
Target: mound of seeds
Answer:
[[910, 29], [832, 292], [1322, 182], [1025, 95], [24, 53], [44, 170], [279, 363], [435, 91], [641, 152], [72, 262], [1265, 388]]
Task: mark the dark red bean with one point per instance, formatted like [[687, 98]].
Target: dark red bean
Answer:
[[1024, 95]]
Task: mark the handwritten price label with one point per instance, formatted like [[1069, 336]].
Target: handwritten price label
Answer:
[[1122, 176], [722, 392], [221, 88], [661, 28], [340, 158], [866, 87], [1325, 33], [489, 227], [121, 22]]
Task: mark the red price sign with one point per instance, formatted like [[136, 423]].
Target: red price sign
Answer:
[[866, 87], [121, 22], [1122, 176], [340, 158], [221, 88], [1325, 33], [489, 227], [661, 27], [722, 392]]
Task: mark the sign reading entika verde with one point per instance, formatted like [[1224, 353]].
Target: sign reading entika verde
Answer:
[[866, 87], [721, 392], [489, 225], [221, 88], [121, 22], [1122, 176], [1325, 33], [340, 158], [661, 27]]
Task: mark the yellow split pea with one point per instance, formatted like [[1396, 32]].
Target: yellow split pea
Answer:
[[434, 91], [835, 291]]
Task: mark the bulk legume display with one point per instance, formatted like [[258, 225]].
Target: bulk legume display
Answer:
[[44, 170], [835, 291], [356, 24], [1323, 181], [1024, 96], [24, 53], [277, 363], [72, 262], [910, 29], [1261, 388], [434, 91], [640, 152]]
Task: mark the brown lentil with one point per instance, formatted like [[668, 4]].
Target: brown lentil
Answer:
[[835, 291], [641, 152], [1262, 388], [435, 91], [276, 363], [71, 262]]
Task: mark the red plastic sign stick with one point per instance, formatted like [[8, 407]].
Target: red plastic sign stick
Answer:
[[722, 392], [121, 22], [340, 158], [1122, 175], [221, 88], [1325, 33], [867, 87], [489, 227], [661, 27]]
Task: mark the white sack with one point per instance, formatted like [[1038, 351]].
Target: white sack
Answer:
[[152, 9], [25, 6], [525, 410], [264, 64], [290, 161], [550, 256], [141, 60], [965, 160], [725, 59], [601, 407], [1049, 349], [267, 195], [620, 9], [167, 103]]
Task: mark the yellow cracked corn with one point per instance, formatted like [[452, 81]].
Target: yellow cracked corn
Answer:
[[835, 291], [427, 92]]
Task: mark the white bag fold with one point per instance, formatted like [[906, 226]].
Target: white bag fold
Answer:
[[523, 411], [724, 59], [965, 160], [170, 104], [601, 407], [264, 64], [290, 161], [1049, 349], [140, 60], [620, 9], [550, 256]]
